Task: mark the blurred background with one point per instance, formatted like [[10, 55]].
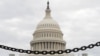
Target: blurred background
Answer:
[[79, 21]]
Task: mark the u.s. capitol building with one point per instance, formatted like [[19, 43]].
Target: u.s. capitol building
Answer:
[[47, 36]]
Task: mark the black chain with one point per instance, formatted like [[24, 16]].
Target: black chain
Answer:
[[51, 52]]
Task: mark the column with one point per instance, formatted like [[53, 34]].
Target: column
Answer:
[[48, 45], [34, 46], [51, 45], [42, 46], [59, 46], [39, 45], [54, 45], [45, 45]]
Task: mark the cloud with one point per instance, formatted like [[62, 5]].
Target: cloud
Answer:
[[14, 8]]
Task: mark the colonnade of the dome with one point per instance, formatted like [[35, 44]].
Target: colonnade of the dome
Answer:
[[48, 46]]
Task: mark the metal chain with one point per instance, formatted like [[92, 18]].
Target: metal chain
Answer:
[[51, 52]]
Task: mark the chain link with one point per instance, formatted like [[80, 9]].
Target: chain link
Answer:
[[51, 52]]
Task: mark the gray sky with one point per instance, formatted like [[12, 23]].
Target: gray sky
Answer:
[[79, 21]]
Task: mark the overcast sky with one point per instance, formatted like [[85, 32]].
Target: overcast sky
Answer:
[[79, 21]]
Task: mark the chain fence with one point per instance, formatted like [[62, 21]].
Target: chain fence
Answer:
[[52, 52]]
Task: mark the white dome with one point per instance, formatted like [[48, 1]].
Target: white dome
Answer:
[[48, 35], [48, 23]]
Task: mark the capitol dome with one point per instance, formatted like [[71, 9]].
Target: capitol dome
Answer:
[[48, 24], [48, 35]]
